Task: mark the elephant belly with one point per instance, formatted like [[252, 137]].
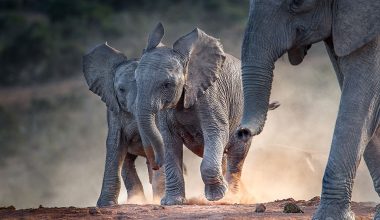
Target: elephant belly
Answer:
[[136, 149], [189, 129], [193, 140], [135, 146]]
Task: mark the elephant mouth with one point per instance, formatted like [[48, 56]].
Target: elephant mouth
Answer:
[[296, 55]]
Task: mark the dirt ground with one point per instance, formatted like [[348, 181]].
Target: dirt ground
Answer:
[[195, 210]]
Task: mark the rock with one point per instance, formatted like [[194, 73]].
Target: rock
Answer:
[[94, 211], [260, 208], [292, 208]]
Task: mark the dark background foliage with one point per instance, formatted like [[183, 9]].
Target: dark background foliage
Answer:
[[43, 40]]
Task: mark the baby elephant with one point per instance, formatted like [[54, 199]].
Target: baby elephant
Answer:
[[110, 75], [191, 94]]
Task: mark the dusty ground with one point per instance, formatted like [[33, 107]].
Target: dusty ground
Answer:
[[200, 210]]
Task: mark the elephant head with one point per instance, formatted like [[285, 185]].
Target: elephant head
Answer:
[[111, 75], [166, 74], [279, 26]]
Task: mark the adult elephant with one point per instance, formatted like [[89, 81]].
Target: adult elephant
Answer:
[[191, 94], [111, 75], [350, 30]]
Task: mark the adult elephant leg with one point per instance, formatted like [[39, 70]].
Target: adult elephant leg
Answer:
[[131, 180], [237, 152], [372, 159], [355, 125], [175, 184], [114, 158]]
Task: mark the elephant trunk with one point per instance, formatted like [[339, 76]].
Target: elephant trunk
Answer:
[[151, 137], [257, 84]]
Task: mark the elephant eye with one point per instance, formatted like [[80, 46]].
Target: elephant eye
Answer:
[[122, 90], [294, 5], [166, 85], [298, 6], [297, 3]]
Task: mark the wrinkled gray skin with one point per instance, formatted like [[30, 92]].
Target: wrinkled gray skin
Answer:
[[194, 91], [111, 76], [350, 30]]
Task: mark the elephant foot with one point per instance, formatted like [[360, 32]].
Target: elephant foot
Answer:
[[173, 200], [105, 203], [235, 186], [331, 211], [214, 192]]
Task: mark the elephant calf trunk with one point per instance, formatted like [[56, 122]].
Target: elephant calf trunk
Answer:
[[153, 143]]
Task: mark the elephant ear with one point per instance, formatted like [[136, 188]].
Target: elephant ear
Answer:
[[99, 67], [155, 37], [356, 23], [296, 55], [204, 58]]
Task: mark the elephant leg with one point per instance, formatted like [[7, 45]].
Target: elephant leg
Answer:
[[237, 152], [175, 184], [372, 159], [131, 180], [158, 184], [111, 179], [355, 125], [224, 165], [157, 180], [211, 166]]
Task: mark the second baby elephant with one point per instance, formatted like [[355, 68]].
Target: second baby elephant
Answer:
[[110, 75], [194, 91]]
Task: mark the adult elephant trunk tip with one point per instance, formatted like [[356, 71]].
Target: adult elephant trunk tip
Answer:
[[244, 133]]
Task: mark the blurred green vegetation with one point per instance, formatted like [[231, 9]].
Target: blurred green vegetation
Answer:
[[44, 40]]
